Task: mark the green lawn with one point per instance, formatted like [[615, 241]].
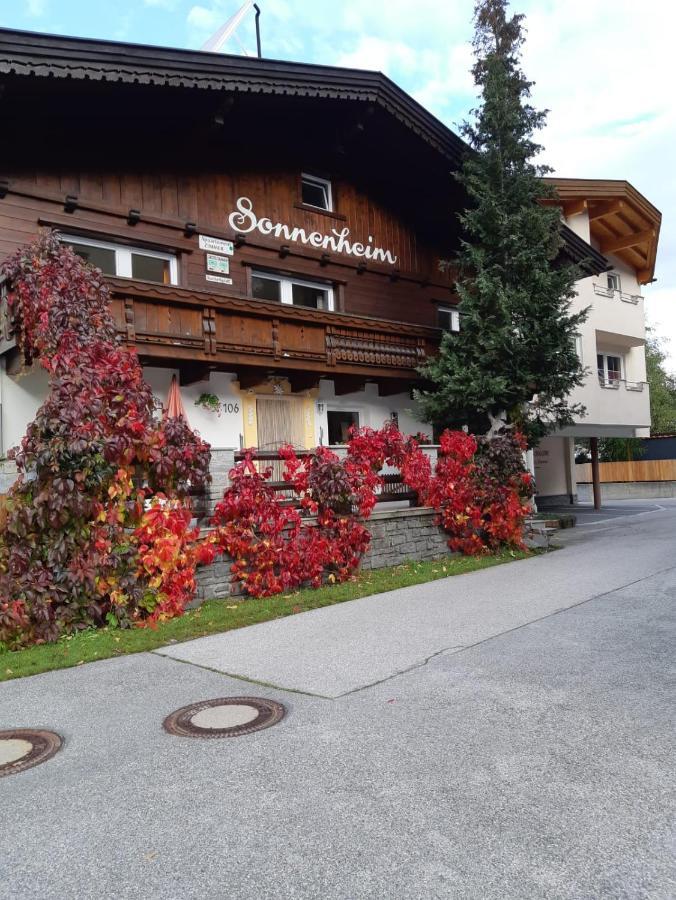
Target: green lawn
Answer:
[[221, 615]]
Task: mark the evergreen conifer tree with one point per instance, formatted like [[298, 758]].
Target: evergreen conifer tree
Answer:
[[515, 357]]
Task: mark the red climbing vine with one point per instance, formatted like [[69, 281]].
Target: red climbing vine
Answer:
[[74, 520]]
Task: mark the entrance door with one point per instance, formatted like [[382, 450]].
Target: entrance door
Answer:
[[280, 421]]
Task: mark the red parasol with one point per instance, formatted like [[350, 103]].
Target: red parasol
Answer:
[[174, 407]]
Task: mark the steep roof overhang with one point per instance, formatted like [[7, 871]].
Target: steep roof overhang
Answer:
[[621, 220], [32, 53]]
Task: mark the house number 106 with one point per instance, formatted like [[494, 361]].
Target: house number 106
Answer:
[[231, 407]]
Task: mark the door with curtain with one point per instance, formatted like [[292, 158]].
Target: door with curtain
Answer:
[[280, 421]]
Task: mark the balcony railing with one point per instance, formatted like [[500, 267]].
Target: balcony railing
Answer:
[[612, 293], [178, 324], [615, 384]]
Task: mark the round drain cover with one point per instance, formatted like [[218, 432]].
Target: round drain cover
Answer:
[[224, 717], [23, 748]]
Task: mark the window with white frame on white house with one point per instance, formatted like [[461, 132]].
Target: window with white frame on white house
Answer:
[[609, 368], [448, 318], [614, 283], [124, 261], [316, 191], [294, 291], [340, 421]]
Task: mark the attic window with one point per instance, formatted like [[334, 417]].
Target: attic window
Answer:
[[448, 319], [316, 191]]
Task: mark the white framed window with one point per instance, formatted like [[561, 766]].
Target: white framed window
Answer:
[[609, 369], [124, 261], [316, 191], [293, 291], [448, 318], [578, 346], [340, 421], [614, 283]]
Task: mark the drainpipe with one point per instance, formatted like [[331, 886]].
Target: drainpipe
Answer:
[[258, 29], [596, 472]]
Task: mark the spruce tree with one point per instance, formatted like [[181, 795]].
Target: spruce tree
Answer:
[[515, 356]]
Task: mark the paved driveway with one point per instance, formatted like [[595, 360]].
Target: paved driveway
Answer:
[[504, 734]]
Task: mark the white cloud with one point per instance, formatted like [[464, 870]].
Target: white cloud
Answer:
[[203, 18], [379, 55], [36, 8]]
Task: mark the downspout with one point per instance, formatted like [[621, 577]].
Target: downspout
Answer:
[[258, 29]]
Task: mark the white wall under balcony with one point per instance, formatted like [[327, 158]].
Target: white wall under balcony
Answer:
[[20, 396], [615, 325], [611, 411]]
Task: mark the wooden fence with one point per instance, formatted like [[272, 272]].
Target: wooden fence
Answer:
[[638, 470]]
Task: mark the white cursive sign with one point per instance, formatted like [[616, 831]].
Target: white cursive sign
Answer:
[[244, 220]]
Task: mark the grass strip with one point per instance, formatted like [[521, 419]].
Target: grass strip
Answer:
[[215, 616]]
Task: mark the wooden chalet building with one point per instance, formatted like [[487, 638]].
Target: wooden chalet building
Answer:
[[279, 235]]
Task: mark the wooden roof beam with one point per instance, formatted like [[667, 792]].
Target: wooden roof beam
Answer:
[[574, 207], [623, 242], [606, 209], [252, 378], [303, 381]]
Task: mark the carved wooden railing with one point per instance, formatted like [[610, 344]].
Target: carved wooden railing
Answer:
[[178, 324]]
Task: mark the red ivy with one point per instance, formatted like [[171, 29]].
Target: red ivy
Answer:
[[67, 557]]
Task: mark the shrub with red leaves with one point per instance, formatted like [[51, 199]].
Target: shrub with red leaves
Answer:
[[481, 490], [68, 559]]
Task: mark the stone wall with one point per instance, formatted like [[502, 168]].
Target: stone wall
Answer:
[[401, 535], [221, 463], [7, 475], [397, 536]]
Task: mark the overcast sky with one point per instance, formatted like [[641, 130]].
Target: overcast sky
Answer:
[[605, 69]]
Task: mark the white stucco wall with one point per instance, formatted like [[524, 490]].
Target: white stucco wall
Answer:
[[614, 326], [373, 410], [553, 458], [21, 396], [221, 431]]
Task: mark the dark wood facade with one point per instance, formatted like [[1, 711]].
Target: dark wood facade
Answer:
[[406, 291], [149, 147]]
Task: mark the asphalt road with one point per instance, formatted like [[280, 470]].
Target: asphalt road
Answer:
[[517, 741]]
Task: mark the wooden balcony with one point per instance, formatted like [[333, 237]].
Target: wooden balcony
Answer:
[[179, 327]]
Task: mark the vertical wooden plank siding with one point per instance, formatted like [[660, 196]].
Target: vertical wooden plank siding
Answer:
[[636, 470]]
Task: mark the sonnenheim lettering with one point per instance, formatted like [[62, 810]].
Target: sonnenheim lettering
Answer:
[[244, 220]]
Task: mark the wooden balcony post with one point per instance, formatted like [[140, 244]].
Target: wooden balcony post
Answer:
[[129, 319]]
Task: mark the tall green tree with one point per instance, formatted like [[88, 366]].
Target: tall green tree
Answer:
[[662, 388], [515, 356]]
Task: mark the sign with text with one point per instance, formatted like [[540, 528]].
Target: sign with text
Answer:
[[245, 220], [216, 245], [219, 279], [220, 264]]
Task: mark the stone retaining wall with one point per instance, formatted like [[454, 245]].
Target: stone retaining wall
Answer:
[[397, 536], [7, 474]]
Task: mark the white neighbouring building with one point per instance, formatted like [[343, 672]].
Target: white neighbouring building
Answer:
[[624, 226]]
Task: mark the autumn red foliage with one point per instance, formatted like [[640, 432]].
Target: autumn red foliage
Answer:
[[69, 552], [479, 488]]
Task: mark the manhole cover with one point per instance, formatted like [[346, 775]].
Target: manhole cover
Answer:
[[224, 717], [22, 748]]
